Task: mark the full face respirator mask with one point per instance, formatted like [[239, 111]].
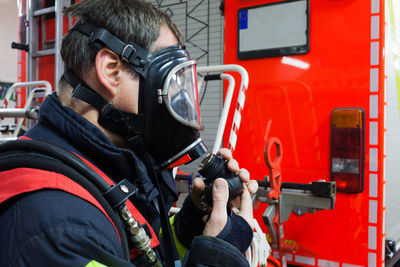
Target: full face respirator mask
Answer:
[[168, 121]]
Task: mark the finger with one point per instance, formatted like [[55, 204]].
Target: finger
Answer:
[[252, 186], [218, 216], [225, 153], [233, 165], [246, 207], [198, 187], [197, 191], [244, 175], [235, 203], [220, 196]]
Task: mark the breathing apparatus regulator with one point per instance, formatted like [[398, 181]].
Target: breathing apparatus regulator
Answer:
[[168, 120], [213, 167]]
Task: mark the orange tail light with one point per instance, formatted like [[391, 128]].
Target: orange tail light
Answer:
[[347, 149]]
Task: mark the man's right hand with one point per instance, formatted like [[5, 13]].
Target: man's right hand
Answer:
[[218, 217]]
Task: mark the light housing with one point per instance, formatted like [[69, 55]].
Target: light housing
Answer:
[[347, 149]]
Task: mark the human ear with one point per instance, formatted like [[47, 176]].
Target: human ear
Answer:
[[108, 69]]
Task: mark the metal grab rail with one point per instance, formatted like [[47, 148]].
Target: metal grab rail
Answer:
[[41, 87], [229, 94], [30, 113]]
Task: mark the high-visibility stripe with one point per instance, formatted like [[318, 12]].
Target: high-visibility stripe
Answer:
[[304, 260], [373, 106], [288, 256], [373, 159], [372, 237], [374, 6], [374, 205], [373, 211], [373, 185], [179, 246], [375, 27], [325, 263], [374, 53], [373, 133], [350, 265], [373, 79], [371, 259], [94, 263]]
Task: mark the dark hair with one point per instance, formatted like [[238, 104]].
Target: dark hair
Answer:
[[128, 20]]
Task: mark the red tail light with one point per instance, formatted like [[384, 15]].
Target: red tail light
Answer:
[[347, 149]]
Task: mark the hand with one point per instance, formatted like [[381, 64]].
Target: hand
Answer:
[[233, 166], [241, 205], [218, 216], [199, 186]]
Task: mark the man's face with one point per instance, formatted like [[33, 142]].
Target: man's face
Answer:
[[128, 95]]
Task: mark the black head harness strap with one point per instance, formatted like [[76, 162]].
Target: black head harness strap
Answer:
[[137, 57], [123, 123], [83, 92]]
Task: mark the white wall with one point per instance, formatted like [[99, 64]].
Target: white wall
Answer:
[[8, 34]]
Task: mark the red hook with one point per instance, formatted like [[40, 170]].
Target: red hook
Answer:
[[274, 166]]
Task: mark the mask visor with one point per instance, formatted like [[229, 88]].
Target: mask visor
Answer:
[[181, 95]]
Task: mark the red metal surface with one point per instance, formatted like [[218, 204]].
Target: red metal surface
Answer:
[[298, 102]]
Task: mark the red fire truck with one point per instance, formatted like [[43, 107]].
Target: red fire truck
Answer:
[[324, 78]]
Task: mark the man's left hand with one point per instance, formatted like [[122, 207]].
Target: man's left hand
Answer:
[[233, 166]]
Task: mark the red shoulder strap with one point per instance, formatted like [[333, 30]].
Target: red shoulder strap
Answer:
[[24, 180]]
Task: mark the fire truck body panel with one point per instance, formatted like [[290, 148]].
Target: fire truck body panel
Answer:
[[292, 97]]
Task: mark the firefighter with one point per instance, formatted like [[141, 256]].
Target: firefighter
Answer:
[[128, 105]]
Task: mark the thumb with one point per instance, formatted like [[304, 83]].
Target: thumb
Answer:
[[220, 195], [218, 216]]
